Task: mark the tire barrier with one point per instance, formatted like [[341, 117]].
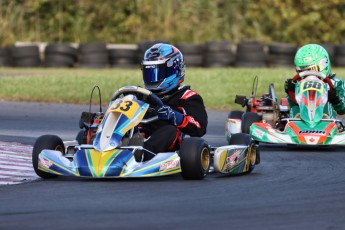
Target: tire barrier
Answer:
[[218, 54], [93, 55], [211, 54], [25, 56], [250, 54], [5, 58], [60, 56], [281, 55], [193, 54], [123, 58], [339, 55]]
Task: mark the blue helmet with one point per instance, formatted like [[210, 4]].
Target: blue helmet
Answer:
[[163, 68]]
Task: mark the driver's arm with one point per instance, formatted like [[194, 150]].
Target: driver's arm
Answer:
[[194, 122], [339, 86]]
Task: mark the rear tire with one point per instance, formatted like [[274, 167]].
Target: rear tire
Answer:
[[51, 142], [195, 158], [235, 114], [81, 137], [248, 119]]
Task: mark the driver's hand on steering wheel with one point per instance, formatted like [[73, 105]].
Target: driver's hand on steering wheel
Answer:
[[166, 113], [289, 85], [333, 98]]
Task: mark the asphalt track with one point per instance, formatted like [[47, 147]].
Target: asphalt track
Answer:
[[292, 188]]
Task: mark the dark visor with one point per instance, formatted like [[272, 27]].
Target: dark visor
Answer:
[[157, 72]]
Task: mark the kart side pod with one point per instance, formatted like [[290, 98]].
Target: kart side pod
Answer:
[[235, 159]]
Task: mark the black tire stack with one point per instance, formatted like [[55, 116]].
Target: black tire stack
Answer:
[[250, 54], [25, 56], [123, 57], [60, 55], [5, 58], [193, 53], [281, 55], [339, 55], [93, 55], [218, 54]]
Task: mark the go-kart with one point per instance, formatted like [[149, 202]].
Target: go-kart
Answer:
[[310, 126], [264, 109], [111, 152]]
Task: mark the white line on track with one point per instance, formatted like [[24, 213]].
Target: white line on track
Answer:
[[15, 163]]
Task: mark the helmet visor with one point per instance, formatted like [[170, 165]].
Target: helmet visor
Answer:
[[157, 72]]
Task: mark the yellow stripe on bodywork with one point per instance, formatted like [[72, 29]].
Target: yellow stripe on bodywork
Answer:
[[99, 162]]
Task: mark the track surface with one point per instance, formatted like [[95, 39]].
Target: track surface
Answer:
[[290, 189]]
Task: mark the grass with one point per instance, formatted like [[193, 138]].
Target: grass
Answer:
[[217, 86]]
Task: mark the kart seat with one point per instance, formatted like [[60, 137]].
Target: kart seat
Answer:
[[136, 140]]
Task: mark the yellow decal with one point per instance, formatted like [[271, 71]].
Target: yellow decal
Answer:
[[126, 107], [312, 85]]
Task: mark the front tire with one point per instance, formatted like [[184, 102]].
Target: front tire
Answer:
[[195, 158], [51, 142]]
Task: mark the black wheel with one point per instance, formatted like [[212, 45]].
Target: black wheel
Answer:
[[194, 158], [236, 114], [81, 137], [248, 119], [253, 154], [46, 142]]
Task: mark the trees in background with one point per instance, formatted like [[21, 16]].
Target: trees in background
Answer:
[[196, 21]]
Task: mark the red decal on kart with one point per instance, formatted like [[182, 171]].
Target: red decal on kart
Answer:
[[188, 94], [168, 165], [44, 163], [231, 160]]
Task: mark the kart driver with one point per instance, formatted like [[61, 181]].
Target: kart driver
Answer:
[[315, 57], [183, 111]]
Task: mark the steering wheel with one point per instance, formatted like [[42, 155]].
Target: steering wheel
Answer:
[[299, 76], [149, 98]]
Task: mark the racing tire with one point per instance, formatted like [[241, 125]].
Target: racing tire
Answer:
[[81, 137], [253, 151], [235, 114], [248, 119], [46, 142], [195, 158]]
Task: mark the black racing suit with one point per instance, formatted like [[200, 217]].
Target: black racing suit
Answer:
[[162, 136]]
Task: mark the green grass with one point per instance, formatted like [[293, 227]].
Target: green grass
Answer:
[[217, 86]]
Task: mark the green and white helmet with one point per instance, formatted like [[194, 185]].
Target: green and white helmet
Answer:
[[312, 57]]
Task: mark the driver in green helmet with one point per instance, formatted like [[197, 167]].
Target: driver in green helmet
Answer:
[[315, 57]]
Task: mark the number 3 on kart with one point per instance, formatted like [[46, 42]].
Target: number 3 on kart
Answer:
[[125, 107]]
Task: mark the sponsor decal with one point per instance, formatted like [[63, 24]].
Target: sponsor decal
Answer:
[[307, 59], [193, 121], [258, 133], [188, 94], [311, 132], [44, 163], [169, 165], [231, 160], [150, 66]]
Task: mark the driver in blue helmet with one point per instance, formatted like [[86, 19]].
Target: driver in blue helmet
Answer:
[[183, 111]]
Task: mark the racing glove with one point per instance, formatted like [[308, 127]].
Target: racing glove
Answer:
[[166, 113], [333, 98], [289, 86]]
